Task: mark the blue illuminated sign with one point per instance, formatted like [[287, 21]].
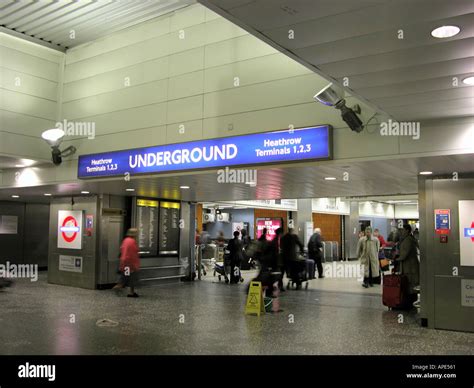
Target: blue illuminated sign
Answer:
[[301, 144], [469, 232]]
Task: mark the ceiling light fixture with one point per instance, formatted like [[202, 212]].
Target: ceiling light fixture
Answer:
[[19, 165], [129, 189], [85, 192], [47, 195], [426, 172], [184, 187], [330, 178], [469, 80], [15, 196], [445, 32]]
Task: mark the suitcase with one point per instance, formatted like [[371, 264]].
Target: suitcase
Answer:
[[310, 268], [394, 294]]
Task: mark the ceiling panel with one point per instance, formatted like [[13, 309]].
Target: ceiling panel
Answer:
[[466, 95], [409, 57], [409, 15], [425, 85], [391, 177], [52, 21], [412, 74], [357, 42], [271, 14]]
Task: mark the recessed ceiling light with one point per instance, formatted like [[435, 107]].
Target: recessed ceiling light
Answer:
[[184, 187], [47, 195], [129, 189], [468, 80], [330, 178], [445, 32], [426, 172], [19, 165], [85, 192], [15, 196]]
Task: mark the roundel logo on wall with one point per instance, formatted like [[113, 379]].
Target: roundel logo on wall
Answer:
[[69, 229], [469, 232]]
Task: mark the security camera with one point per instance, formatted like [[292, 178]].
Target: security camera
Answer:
[[331, 97], [54, 137]]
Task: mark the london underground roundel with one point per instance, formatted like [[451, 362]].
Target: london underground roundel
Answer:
[[69, 229], [466, 232]]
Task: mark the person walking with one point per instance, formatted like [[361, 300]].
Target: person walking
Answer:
[[236, 255], [246, 240], [315, 246], [263, 236], [129, 263], [221, 239], [382, 241], [368, 253], [289, 254]]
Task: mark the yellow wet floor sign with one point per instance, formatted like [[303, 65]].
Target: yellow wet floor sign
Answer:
[[255, 299]]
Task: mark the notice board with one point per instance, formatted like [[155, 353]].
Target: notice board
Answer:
[[168, 240], [147, 224]]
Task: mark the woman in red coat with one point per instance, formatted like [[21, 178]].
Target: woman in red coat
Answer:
[[129, 263], [377, 234]]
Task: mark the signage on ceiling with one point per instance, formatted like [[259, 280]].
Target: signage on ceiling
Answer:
[[303, 144]]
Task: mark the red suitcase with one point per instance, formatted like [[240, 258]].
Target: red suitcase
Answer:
[[395, 289]]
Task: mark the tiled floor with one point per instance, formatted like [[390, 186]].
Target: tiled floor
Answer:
[[207, 317]]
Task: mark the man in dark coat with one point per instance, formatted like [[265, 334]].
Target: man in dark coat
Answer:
[[408, 259], [289, 254], [315, 253]]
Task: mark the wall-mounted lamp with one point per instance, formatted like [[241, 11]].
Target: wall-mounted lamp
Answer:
[[54, 138], [331, 97]]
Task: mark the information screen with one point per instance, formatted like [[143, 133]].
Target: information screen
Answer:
[[169, 228], [147, 224]]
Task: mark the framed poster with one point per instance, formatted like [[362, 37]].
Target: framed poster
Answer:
[[442, 221], [70, 229], [8, 225], [271, 224], [70, 263]]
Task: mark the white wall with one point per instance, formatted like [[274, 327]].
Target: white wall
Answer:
[[372, 209], [406, 211], [189, 81], [30, 87], [331, 206]]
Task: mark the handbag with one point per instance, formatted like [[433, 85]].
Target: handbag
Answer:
[[384, 264]]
